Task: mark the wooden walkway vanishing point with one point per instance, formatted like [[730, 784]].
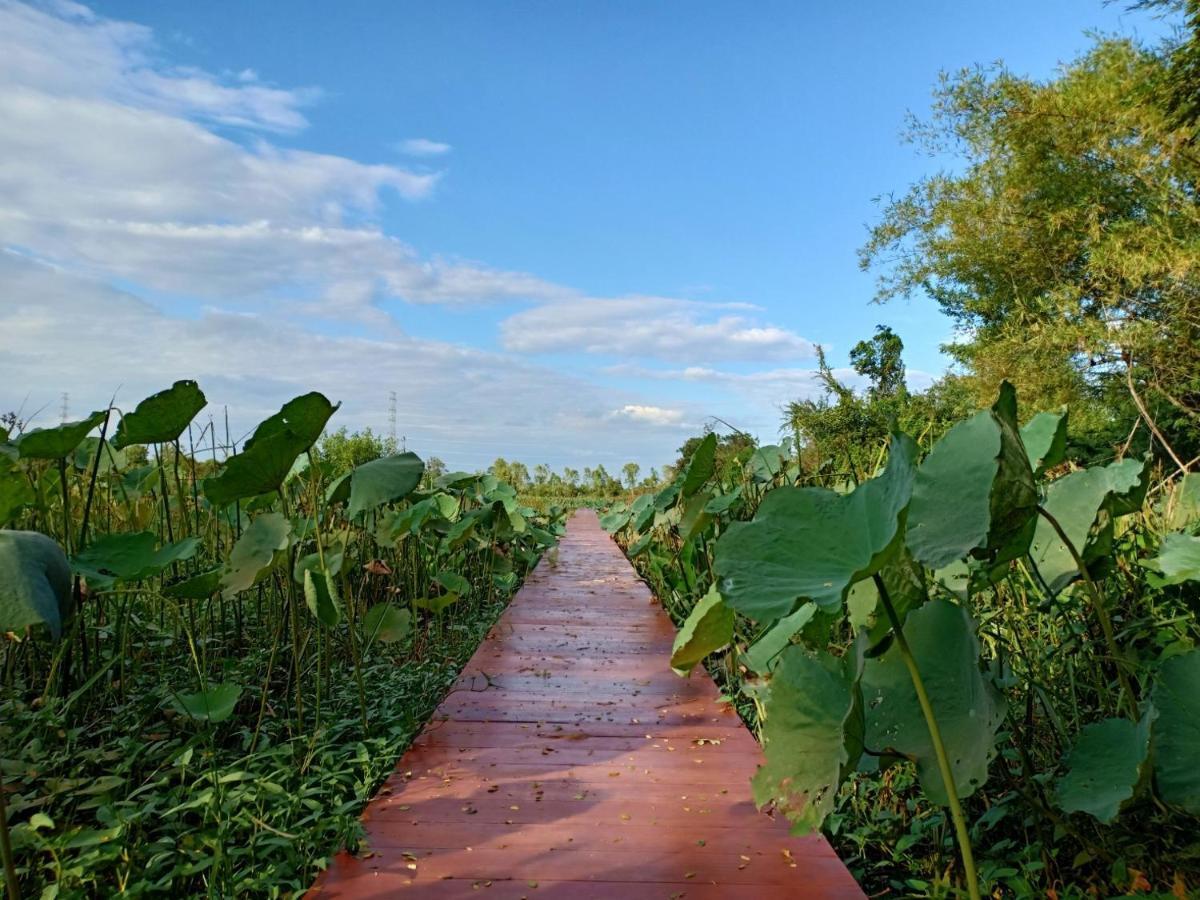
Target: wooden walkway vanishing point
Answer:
[[570, 762]]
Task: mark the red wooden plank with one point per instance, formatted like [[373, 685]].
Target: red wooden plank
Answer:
[[569, 762]]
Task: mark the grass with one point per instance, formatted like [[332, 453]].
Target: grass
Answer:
[[129, 797]]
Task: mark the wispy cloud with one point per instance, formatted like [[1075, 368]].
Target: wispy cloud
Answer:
[[678, 331], [422, 147], [112, 166], [462, 404], [651, 415]]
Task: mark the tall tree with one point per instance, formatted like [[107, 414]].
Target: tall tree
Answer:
[[1066, 246], [630, 470]]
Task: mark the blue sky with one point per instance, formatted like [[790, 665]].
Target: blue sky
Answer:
[[563, 232]]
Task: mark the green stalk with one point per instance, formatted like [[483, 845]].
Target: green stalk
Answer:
[[10, 868], [939, 746], [1106, 627]]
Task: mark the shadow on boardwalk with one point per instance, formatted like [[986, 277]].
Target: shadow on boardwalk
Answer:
[[570, 762]]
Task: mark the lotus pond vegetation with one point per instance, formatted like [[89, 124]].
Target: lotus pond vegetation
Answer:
[[209, 660]]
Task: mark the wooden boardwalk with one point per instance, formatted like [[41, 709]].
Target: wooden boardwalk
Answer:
[[570, 762]]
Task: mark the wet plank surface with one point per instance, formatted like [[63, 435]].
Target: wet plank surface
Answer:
[[569, 761]]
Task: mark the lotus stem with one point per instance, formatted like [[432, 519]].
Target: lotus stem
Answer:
[[1106, 627], [939, 746]]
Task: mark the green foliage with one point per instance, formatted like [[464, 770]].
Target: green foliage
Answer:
[[968, 709], [812, 737], [35, 582], [707, 629], [256, 552], [132, 556], [216, 704], [812, 543], [304, 417], [162, 417], [1104, 768], [384, 481], [992, 683], [200, 732], [340, 451], [320, 594], [1176, 697], [973, 494], [1084, 504], [386, 623], [1045, 440], [58, 442], [1070, 209], [1178, 559], [261, 470]]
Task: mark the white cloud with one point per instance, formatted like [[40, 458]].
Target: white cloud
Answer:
[[108, 165], [66, 333], [423, 147], [116, 164], [77, 53], [674, 330], [652, 415]]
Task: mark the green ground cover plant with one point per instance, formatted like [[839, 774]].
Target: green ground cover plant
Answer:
[[976, 668], [207, 664]]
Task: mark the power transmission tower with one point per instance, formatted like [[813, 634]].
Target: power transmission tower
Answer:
[[66, 406], [392, 418]]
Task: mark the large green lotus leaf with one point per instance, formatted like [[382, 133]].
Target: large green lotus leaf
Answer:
[[1176, 697], [812, 543], [58, 442], [304, 416], [762, 655], [339, 489], [508, 518], [437, 604], [640, 546], [615, 519], [700, 467], [16, 493], [213, 705], [812, 736], [387, 623], [255, 553], [131, 556], [767, 462], [1105, 767], [904, 580], [708, 628], [410, 520], [1185, 503], [456, 480], [453, 582], [722, 503], [199, 587], [695, 516], [35, 582], [320, 594], [1178, 559], [110, 457], [259, 470], [384, 481], [1077, 501], [462, 530], [333, 554], [1045, 440], [968, 709], [974, 492], [161, 417]]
